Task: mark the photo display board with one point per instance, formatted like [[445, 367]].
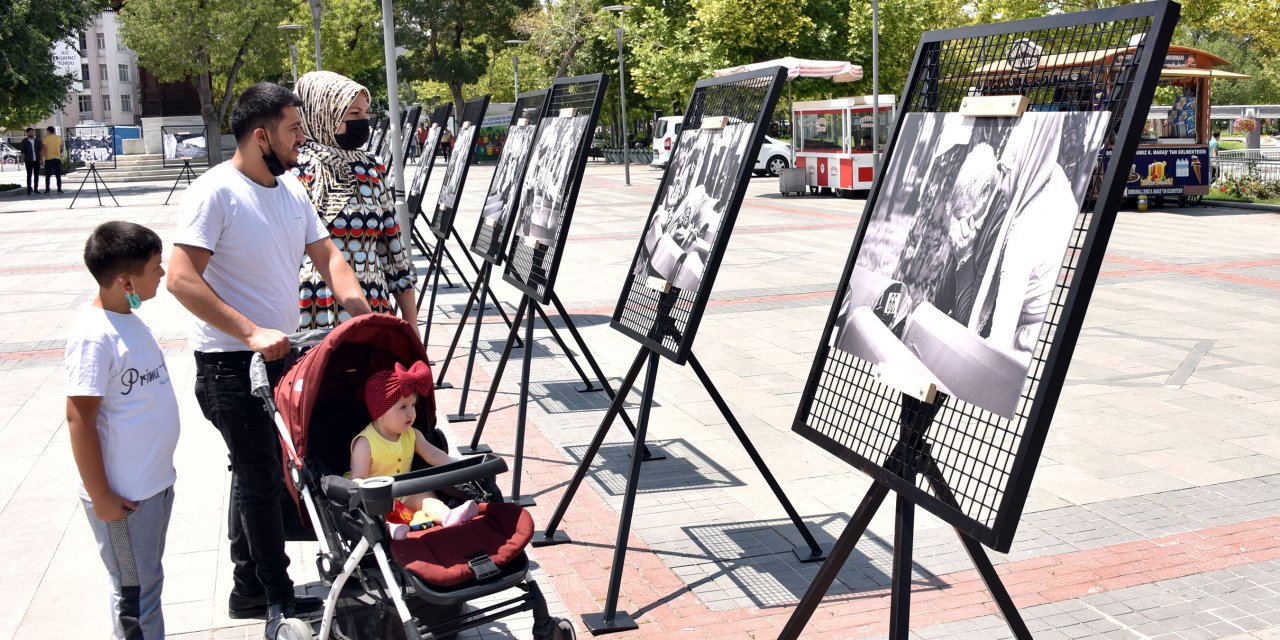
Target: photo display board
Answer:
[[976, 257], [679, 253], [495, 226], [455, 172], [182, 143], [379, 135], [550, 186], [427, 159], [92, 145], [408, 129]]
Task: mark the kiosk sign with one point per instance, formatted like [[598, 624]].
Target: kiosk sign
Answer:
[[1024, 55], [1167, 171]]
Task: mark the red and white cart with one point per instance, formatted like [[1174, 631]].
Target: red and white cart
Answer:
[[833, 141]]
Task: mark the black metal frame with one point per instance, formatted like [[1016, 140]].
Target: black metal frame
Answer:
[[164, 157], [111, 134], [560, 89], [769, 82], [913, 459], [488, 243], [384, 127], [409, 129], [186, 172], [651, 304], [99, 184]]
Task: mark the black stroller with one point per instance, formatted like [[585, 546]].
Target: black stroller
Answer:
[[422, 582]]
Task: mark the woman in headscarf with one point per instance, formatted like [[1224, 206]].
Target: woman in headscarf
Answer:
[[348, 189]]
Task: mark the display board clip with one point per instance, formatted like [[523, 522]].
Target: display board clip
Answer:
[[531, 242], [657, 284], [993, 106], [568, 112], [522, 122], [907, 382], [714, 122], [490, 222], [466, 125]]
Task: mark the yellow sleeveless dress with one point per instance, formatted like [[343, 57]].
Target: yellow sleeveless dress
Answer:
[[389, 458]]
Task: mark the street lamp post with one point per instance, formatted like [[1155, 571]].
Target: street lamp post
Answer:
[[621, 9], [293, 49], [393, 102], [515, 67], [315, 27]]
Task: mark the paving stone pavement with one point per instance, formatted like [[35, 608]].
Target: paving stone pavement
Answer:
[[1155, 512]]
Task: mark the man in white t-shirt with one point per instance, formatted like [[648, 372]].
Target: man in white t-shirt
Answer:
[[244, 228]]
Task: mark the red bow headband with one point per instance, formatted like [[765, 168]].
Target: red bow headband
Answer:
[[385, 388]]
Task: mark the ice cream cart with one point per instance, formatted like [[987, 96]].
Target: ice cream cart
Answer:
[[833, 141]]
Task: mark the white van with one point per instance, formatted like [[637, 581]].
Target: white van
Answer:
[[774, 155]]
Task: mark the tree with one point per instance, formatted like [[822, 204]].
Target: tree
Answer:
[[443, 38], [557, 30], [30, 87], [212, 42], [350, 39]]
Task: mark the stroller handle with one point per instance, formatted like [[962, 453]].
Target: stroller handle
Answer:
[[468, 469], [259, 381]]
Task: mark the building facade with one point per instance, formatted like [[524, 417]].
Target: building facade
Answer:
[[110, 86]]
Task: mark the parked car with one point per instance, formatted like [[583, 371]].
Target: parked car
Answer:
[[774, 156], [9, 155]]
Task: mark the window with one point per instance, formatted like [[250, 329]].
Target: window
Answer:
[[106, 105], [120, 45], [84, 75], [84, 43], [102, 41], [102, 74], [126, 103], [124, 73], [86, 104]]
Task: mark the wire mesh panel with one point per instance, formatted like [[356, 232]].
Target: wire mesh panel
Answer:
[[504, 189], [455, 173], [974, 263], [380, 136], [439, 119], [693, 213], [409, 129], [92, 145], [184, 143], [550, 186]]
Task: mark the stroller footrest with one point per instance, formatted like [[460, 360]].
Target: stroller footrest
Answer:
[[483, 566]]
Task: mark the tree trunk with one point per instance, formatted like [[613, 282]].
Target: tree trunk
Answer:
[[563, 69], [459, 103], [211, 116]]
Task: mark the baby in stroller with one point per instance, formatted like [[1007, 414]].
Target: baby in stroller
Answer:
[[387, 446]]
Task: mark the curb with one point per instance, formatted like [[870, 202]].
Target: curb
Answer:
[[1242, 205]]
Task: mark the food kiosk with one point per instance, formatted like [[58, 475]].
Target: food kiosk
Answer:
[[832, 141], [1172, 160]]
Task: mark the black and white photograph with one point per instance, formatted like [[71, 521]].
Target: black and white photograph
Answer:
[[453, 172], [954, 277], [91, 144], [185, 143], [506, 177], [546, 187], [701, 180], [419, 184]]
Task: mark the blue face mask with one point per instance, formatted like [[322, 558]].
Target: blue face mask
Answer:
[[133, 299]]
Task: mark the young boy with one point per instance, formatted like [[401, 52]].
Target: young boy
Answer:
[[122, 416]]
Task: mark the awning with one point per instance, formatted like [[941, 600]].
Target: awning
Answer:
[[836, 70], [1216, 74]]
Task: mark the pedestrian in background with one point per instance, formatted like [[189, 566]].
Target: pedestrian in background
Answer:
[[52, 158]]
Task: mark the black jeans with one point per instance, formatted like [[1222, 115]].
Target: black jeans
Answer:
[[53, 168], [33, 176], [254, 523]]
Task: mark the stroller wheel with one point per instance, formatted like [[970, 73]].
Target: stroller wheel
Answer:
[[561, 629], [294, 629]]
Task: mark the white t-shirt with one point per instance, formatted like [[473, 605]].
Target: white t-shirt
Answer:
[[114, 356], [258, 236]]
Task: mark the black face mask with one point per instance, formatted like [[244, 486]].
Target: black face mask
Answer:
[[356, 135], [274, 165]]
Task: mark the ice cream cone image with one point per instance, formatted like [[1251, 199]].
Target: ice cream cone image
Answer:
[[1195, 166]]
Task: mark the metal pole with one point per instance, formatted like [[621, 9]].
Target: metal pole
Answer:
[[315, 22], [393, 99], [622, 94], [293, 58], [515, 66], [875, 85]]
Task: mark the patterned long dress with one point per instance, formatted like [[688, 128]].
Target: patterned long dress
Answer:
[[351, 196]]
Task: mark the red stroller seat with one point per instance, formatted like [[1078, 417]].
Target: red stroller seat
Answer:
[[443, 556]]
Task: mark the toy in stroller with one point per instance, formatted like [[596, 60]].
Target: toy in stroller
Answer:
[[318, 408]]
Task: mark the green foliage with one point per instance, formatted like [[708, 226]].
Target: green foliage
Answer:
[[30, 87], [350, 39], [444, 38], [901, 23]]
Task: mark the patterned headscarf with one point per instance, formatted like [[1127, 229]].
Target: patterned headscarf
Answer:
[[326, 97]]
